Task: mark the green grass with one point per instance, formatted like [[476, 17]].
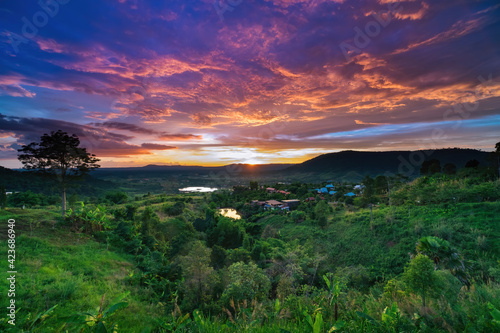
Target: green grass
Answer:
[[73, 271], [348, 240], [57, 266]]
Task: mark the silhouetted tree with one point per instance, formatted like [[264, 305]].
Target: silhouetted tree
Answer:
[[254, 185], [3, 197], [450, 169], [59, 156], [369, 189], [472, 164], [497, 152], [430, 167]]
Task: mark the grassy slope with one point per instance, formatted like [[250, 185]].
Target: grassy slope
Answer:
[[348, 240], [60, 267]]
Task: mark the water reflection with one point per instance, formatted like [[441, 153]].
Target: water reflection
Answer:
[[229, 212], [199, 189]]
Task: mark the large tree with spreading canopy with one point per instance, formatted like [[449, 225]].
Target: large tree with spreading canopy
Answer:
[[60, 156]]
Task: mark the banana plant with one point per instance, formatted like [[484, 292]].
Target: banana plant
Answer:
[[335, 287], [391, 317], [316, 325], [98, 321]]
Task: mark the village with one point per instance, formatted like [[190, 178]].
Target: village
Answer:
[[290, 204]]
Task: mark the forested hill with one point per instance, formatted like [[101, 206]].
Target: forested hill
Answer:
[[152, 170], [375, 163], [20, 181]]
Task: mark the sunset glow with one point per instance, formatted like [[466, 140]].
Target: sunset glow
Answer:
[[213, 83]]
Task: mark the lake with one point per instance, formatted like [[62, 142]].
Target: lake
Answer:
[[229, 212], [198, 189]]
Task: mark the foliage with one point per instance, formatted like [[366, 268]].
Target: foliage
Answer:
[[88, 220], [272, 271], [3, 197], [60, 156], [441, 253], [98, 320], [199, 277], [246, 282], [420, 277], [20, 199], [117, 197]]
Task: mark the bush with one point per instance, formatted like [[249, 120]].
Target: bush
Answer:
[[247, 282], [117, 197]]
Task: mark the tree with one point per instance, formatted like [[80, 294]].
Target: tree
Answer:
[[420, 276], [254, 185], [381, 184], [3, 197], [246, 282], [320, 212], [199, 277], [369, 189], [59, 156], [450, 169], [20, 199], [472, 164], [117, 197], [497, 152], [430, 167], [444, 256]]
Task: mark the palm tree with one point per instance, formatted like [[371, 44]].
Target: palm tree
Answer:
[[444, 256]]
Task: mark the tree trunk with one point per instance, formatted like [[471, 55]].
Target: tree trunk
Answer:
[[371, 216], [64, 201]]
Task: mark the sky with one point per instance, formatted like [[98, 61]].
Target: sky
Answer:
[[237, 81]]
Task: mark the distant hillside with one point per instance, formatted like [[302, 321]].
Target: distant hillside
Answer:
[[20, 181], [356, 164], [155, 170]]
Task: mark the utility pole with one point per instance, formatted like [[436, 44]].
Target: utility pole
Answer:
[[389, 191], [371, 216]]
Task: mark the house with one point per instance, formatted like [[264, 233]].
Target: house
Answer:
[[324, 190], [270, 190], [283, 192], [292, 203], [273, 204], [258, 203], [332, 192], [350, 194], [310, 199], [359, 187], [329, 186]]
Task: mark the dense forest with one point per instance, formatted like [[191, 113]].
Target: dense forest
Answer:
[[389, 255]]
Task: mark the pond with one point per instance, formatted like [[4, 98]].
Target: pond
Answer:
[[229, 212], [198, 189]]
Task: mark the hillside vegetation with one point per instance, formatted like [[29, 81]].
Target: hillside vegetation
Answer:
[[422, 258]]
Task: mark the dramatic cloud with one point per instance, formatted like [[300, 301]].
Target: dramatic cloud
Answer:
[[279, 80], [155, 146]]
